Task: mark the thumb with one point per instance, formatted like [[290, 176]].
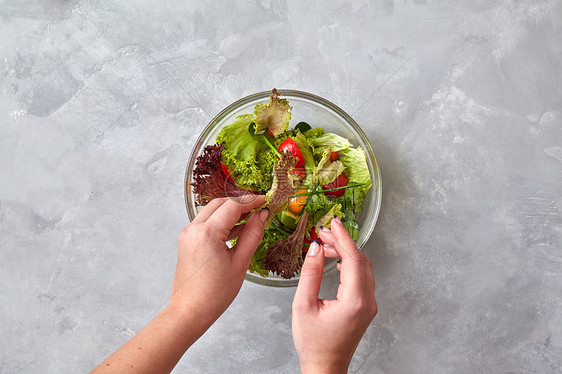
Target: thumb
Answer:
[[311, 276], [250, 238]]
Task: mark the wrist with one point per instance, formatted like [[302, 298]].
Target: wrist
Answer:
[[187, 323]]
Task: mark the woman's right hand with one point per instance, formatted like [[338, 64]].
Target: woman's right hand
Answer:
[[327, 332]]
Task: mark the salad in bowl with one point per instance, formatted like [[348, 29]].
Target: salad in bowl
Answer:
[[308, 172]]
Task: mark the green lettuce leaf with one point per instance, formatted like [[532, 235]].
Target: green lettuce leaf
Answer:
[[352, 204], [326, 219], [357, 171], [328, 141], [306, 152], [327, 171], [314, 132], [245, 155], [273, 116], [265, 162], [317, 206]]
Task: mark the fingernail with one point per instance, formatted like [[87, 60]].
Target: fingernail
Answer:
[[264, 213], [313, 249], [324, 228], [336, 219]]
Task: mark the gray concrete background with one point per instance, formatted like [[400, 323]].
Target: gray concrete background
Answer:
[[102, 101]]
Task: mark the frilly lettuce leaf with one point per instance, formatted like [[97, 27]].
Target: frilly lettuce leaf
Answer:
[[282, 187], [273, 116], [314, 132], [245, 155], [284, 257], [209, 181]]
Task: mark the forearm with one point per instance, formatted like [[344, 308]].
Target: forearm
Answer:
[[323, 368], [158, 347]]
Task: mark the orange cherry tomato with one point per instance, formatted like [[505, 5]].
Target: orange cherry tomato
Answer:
[[296, 203], [334, 156]]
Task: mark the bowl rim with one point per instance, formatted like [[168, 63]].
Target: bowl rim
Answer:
[[377, 181]]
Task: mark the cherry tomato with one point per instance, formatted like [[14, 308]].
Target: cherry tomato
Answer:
[[334, 156], [304, 247], [225, 171], [340, 181], [296, 203], [313, 235], [290, 146], [270, 133]]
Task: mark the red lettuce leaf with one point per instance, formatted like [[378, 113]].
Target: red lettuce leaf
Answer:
[[284, 256], [209, 180], [282, 188]]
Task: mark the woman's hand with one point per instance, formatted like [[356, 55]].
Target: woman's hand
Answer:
[[327, 332], [208, 277], [209, 274]]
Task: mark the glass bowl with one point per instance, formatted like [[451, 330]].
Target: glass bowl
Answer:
[[317, 112]]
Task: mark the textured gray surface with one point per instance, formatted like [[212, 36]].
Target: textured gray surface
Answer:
[[101, 103]]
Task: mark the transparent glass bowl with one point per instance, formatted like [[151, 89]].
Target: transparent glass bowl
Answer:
[[317, 112]]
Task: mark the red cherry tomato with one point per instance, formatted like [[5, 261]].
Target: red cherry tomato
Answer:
[[225, 171], [290, 146], [340, 181], [270, 133], [304, 247], [334, 156], [313, 235]]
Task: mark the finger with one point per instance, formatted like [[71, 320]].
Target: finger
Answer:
[[250, 238], [330, 251], [354, 272], [310, 277], [329, 243], [338, 237], [329, 240], [226, 216], [209, 209], [236, 231]]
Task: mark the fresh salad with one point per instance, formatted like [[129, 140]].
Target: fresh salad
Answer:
[[308, 176]]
